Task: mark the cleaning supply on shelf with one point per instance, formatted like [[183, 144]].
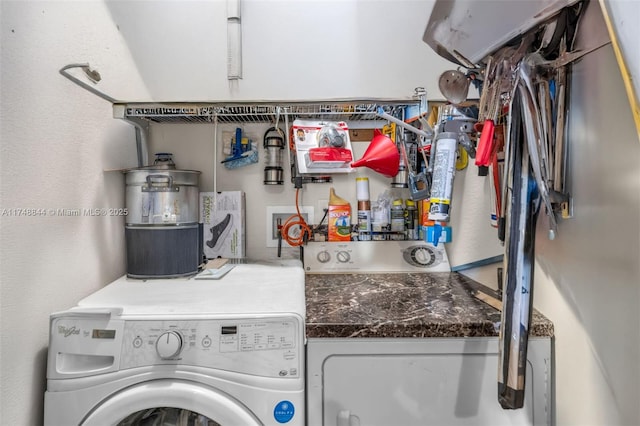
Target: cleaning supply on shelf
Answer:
[[397, 219], [380, 214], [423, 214], [364, 209], [411, 222], [339, 218]]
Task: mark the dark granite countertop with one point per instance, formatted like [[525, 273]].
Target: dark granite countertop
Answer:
[[403, 305]]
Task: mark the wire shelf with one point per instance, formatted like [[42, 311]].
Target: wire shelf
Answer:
[[354, 110], [159, 113]]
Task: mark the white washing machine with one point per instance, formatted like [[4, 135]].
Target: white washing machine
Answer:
[[182, 352]]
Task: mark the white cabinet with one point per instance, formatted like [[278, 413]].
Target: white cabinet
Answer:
[[436, 381]]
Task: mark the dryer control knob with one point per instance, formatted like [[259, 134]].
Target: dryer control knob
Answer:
[[343, 256], [169, 344]]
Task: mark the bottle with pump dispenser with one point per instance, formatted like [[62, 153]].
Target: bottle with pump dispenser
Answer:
[[339, 218]]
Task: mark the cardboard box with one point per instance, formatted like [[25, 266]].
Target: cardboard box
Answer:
[[223, 217]]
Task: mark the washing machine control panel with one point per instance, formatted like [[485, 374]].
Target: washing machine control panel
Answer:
[[271, 347]]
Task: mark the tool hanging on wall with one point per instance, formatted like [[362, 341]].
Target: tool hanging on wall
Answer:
[[460, 121], [381, 156], [533, 148], [273, 143], [419, 185], [523, 204], [400, 180], [496, 176], [496, 94], [454, 86], [243, 152]]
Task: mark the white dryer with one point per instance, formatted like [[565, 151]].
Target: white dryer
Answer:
[[182, 351]]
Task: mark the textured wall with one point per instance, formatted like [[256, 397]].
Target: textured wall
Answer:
[[588, 280], [56, 141]]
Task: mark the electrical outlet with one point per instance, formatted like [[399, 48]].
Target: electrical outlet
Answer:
[[283, 213]]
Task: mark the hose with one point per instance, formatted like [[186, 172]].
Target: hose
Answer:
[[296, 220]]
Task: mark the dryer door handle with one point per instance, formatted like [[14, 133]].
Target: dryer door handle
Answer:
[[345, 418]]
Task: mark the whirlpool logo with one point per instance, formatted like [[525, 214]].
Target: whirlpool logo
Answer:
[[68, 331]]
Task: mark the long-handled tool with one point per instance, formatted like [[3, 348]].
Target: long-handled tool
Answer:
[[523, 204]]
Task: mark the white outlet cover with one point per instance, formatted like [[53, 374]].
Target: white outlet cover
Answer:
[[284, 213]]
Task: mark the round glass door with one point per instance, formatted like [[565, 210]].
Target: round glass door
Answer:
[[167, 416], [167, 402]]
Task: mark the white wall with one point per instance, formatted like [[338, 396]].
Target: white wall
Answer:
[[291, 49], [56, 140], [624, 18], [587, 281]]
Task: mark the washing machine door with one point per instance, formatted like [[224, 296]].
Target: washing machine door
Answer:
[[208, 404]]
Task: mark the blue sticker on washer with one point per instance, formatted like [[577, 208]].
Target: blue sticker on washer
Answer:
[[283, 412]]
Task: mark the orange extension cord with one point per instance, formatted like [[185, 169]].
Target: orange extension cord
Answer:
[[296, 220]]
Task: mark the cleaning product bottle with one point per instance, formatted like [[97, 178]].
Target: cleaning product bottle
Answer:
[[411, 222], [397, 219], [379, 221], [364, 209], [339, 218], [424, 221]]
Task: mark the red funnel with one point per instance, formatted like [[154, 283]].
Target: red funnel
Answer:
[[382, 156]]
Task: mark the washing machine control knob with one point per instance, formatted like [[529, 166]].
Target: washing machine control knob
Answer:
[[169, 344]]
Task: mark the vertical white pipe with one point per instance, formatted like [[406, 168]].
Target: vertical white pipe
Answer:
[[215, 152], [234, 40]]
